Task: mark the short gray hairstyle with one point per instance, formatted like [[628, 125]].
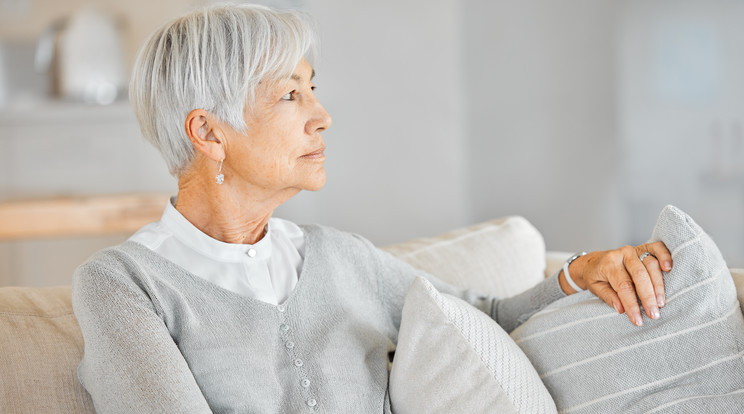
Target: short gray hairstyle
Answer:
[[213, 59]]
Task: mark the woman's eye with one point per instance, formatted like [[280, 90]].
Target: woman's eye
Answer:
[[289, 96]]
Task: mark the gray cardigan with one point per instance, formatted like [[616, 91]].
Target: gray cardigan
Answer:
[[160, 339]]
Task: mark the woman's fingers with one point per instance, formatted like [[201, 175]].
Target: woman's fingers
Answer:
[[664, 264], [657, 261], [607, 294], [661, 253], [644, 286], [657, 278], [623, 284]]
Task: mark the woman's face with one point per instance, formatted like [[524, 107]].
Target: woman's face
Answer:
[[282, 148]]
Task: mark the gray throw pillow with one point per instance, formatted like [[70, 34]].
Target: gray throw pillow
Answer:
[[593, 360]]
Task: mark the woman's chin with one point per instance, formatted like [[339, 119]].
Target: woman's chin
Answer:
[[315, 182]]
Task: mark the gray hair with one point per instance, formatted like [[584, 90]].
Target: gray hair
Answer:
[[213, 59]]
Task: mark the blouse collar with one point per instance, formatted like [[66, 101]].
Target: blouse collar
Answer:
[[191, 236]]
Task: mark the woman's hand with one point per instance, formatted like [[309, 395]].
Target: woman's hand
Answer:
[[620, 278]]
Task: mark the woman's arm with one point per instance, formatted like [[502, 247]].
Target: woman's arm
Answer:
[[396, 276], [618, 277], [130, 362]]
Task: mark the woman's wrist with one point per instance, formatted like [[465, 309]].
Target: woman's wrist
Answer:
[[570, 277]]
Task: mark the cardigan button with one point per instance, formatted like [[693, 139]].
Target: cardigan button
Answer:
[[289, 345], [284, 327], [305, 383], [280, 308], [311, 402], [298, 362]]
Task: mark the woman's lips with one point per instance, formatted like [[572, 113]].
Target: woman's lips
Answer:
[[315, 155]]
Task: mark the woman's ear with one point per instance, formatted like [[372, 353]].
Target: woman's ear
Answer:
[[206, 134]]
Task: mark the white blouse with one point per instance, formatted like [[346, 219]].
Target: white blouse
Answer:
[[267, 270]]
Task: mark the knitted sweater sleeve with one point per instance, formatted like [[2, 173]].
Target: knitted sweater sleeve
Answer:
[[130, 363], [396, 277]]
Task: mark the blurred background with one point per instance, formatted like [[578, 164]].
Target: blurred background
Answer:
[[584, 116]]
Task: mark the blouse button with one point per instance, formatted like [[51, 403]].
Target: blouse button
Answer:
[[305, 383], [311, 402], [251, 253], [284, 327], [298, 362], [290, 345]]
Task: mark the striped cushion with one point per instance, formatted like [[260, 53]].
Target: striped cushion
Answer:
[[592, 360]]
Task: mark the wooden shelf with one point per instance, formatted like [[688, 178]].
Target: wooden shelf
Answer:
[[79, 216]]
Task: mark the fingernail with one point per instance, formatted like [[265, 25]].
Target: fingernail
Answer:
[[667, 265], [638, 321], [617, 308], [660, 301], [655, 313]]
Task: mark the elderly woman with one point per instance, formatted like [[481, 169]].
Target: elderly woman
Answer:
[[220, 307]]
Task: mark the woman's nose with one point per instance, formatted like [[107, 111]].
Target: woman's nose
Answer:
[[320, 121]]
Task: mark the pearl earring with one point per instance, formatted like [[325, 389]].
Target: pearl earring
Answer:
[[220, 178]]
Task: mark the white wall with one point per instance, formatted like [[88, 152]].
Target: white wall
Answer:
[[541, 116]]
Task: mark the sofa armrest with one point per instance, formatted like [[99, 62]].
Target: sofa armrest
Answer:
[[554, 260]]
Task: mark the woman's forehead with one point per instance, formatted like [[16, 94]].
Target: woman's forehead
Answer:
[[303, 71], [302, 74]]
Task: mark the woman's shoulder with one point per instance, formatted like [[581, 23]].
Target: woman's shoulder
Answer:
[[334, 245], [331, 236], [115, 256], [113, 265], [115, 282]]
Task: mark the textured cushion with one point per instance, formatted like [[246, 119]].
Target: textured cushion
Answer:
[[593, 360], [452, 358], [40, 348], [500, 257]]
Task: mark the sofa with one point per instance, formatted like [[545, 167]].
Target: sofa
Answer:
[[41, 342]]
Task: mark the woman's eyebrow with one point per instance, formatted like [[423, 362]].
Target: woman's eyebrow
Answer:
[[299, 79]]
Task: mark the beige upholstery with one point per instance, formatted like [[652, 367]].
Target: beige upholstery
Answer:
[[504, 256], [40, 349], [41, 343]]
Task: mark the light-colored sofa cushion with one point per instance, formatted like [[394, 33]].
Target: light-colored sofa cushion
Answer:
[[690, 360], [500, 257], [453, 358], [40, 348]]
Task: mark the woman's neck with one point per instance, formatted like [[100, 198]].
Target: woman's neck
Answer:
[[226, 212]]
